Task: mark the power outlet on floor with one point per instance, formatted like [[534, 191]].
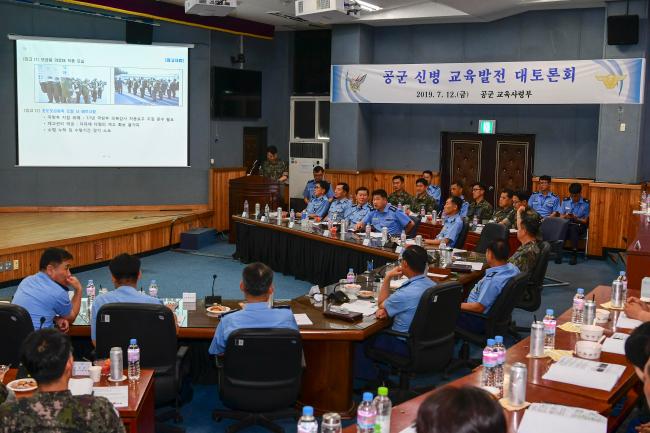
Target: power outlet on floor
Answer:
[[16, 264], [9, 266]]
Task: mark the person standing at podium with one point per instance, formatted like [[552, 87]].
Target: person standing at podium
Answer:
[[274, 168]]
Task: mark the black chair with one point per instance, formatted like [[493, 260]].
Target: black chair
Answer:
[[462, 236], [154, 326], [16, 325], [491, 232], [414, 231], [496, 322], [259, 377], [430, 339], [554, 232]]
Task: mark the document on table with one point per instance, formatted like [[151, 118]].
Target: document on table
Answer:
[[118, 395], [396, 284], [583, 372], [81, 386], [544, 417], [627, 323], [367, 308], [615, 343], [476, 266], [434, 275], [302, 319]]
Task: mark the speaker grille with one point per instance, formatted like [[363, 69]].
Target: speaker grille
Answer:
[[306, 150]]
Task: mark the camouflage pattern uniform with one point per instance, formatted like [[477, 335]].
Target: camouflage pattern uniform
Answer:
[[507, 214], [274, 169], [398, 197], [60, 412], [483, 210], [512, 220], [526, 256], [425, 200], [3, 392]]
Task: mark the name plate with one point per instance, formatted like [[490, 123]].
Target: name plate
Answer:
[[81, 368], [189, 297]]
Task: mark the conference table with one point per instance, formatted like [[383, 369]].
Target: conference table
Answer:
[[638, 250], [138, 416], [615, 404], [429, 231]]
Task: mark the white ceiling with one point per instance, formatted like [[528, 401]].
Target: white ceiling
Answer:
[[281, 13]]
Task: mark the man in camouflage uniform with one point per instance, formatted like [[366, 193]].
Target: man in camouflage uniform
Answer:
[[505, 213], [422, 198], [520, 201], [480, 207], [3, 392], [274, 168], [525, 258], [47, 355], [399, 195]]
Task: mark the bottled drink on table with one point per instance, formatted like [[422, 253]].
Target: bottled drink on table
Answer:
[[350, 278], [331, 423], [623, 278], [384, 235], [489, 364], [578, 306], [474, 222], [549, 330], [153, 289], [368, 230], [246, 208], [423, 211], [292, 216], [366, 415], [90, 292], [267, 210], [403, 238], [307, 423], [383, 406], [500, 350], [133, 357]]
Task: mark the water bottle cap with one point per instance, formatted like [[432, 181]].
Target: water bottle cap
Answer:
[[367, 396], [153, 281], [581, 291], [549, 312], [350, 270], [134, 341], [621, 273], [90, 282], [308, 411], [498, 339], [382, 391], [490, 342]]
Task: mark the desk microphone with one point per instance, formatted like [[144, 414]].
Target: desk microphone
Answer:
[[209, 300], [252, 168]]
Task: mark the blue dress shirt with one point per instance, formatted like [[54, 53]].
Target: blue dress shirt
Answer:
[[42, 297], [402, 304], [391, 218], [434, 191], [580, 208], [340, 207], [356, 213], [489, 288], [318, 206], [255, 315], [451, 228], [464, 207], [544, 205], [308, 193]]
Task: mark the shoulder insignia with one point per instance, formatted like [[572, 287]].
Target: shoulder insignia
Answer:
[[566, 198], [282, 307], [393, 208], [586, 200]]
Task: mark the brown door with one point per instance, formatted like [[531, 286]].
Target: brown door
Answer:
[[499, 161], [254, 147]]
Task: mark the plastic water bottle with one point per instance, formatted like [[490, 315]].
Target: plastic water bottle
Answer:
[[423, 211], [153, 289], [489, 364], [474, 222], [368, 230], [549, 330], [500, 350], [384, 235], [402, 238], [267, 211], [307, 423], [623, 279], [350, 276], [292, 216], [366, 414], [335, 216], [90, 292], [383, 406], [133, 356], [578, 306], [245, 208], [304, 219]]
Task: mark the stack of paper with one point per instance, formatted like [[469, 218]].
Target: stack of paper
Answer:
[[302, 319], [82, 386], [476, 266], [582, 372], [118, 395], [615, 343], [367, 308], [627, 323], [544, 417]]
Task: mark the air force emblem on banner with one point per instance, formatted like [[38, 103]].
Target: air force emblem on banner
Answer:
[[355, 83], [611, 80]]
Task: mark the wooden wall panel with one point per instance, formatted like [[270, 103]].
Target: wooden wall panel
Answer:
[[219, 187]]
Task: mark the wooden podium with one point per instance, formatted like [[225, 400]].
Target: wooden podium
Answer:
[[255, 189]]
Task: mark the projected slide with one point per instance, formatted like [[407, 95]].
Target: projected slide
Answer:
[[91, 104]]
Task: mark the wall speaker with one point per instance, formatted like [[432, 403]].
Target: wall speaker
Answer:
[[622, 30]]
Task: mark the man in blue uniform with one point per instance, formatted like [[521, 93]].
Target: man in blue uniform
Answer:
[[257, 286], [125, 273], [45, 294], [452, 225], [319, 204], [576, 209], [360, 208], [457, 191], [545, 202], [385, 215], [433, 190], [488, 289], [308, 193], [341, 202]]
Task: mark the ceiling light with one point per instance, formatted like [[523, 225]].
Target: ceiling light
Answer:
[[368, 6]]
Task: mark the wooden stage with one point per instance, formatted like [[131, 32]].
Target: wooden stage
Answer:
[[91, 236]]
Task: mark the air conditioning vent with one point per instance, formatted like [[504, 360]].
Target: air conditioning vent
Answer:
[[300, 6], [306, 150], [323, 4]]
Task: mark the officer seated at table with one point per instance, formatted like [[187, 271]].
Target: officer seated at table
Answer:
[[505, 213], [340, 204], [47, 356], [452, 226], [308, 193], [257, 285], [360, 208], [456, 190], [544, 201], [385, 215], [319, 204], [575, 208]]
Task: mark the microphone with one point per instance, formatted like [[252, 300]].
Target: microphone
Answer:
[[209, 300], [252, 168], [42, 322]]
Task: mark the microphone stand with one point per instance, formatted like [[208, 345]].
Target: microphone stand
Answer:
[[210, 300]]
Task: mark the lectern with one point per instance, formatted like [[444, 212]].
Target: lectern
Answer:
[[255, 189]]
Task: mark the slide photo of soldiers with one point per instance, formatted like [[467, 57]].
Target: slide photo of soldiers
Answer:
[[147, 86], [61, 84]]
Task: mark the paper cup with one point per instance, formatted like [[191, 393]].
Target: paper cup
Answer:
[[95, 373]]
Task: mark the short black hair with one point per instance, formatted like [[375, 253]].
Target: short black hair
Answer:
[[458, 183], [53, 256], [457, 201], [323, 184], [529, 220], [500, 249], [507, 192], [637, 346], [399, 176], [481, 412], [480, 185], [545, 177], [125, 267], [318, 169], [362, 188], [345, 186], [575, 188], [522, 195], [45, 353], [416, 257], [429, 172], [423, 181], [257, 279], [380, 192], [272, 150]]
